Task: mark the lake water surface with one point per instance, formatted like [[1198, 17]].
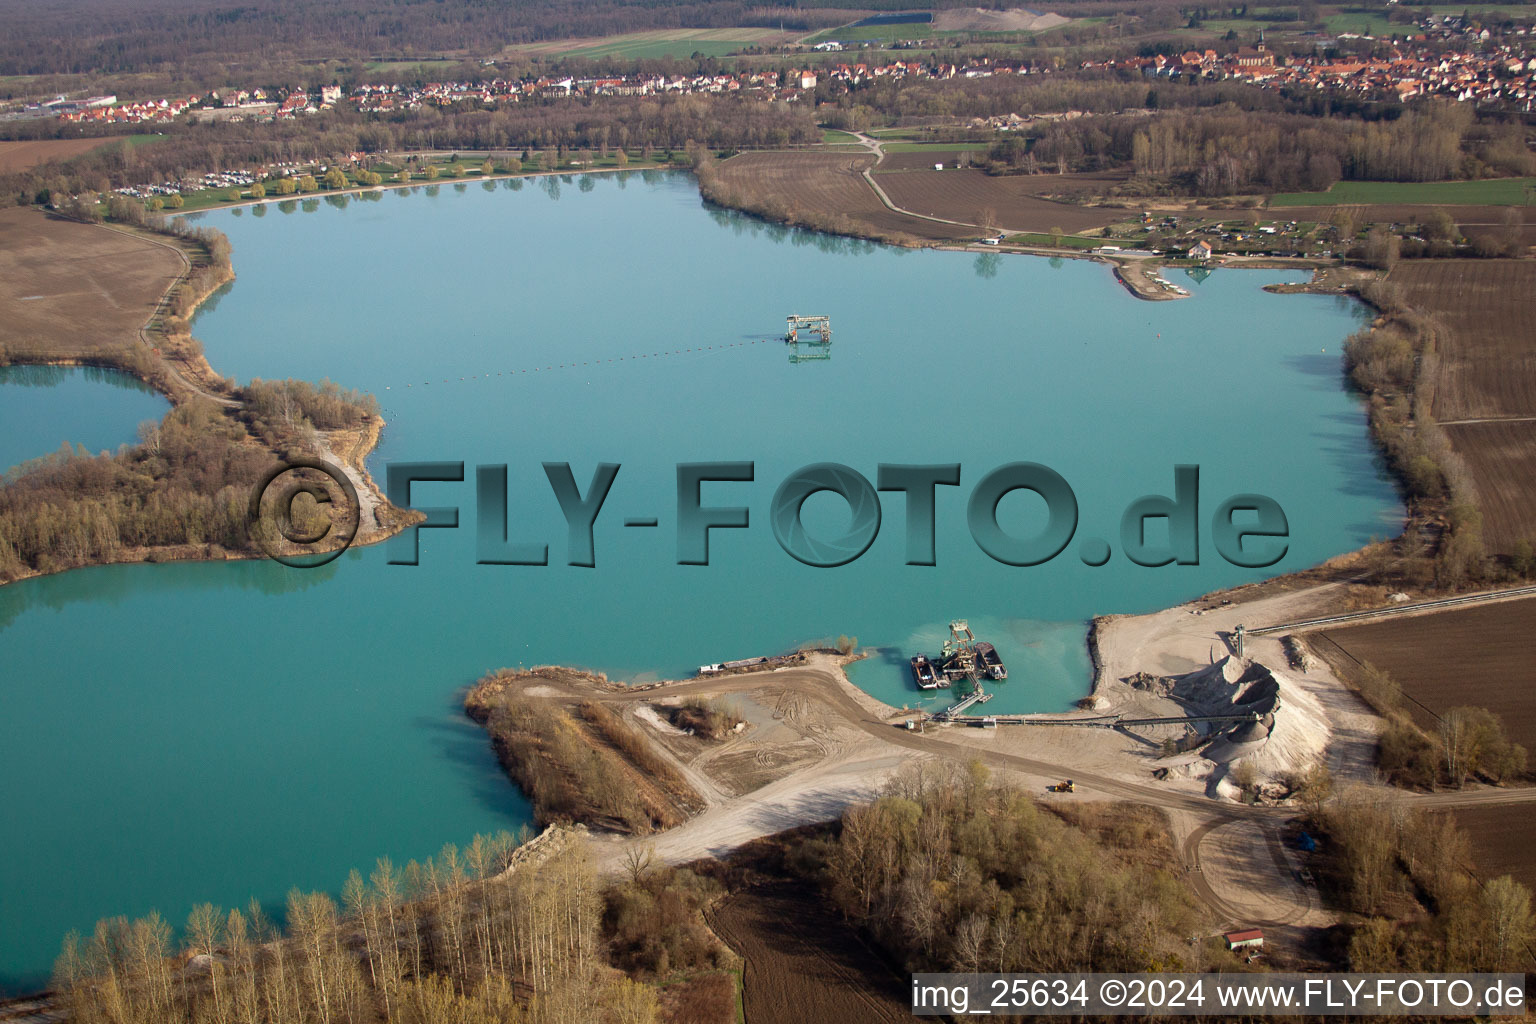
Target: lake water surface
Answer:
[[216, 732], [43, 407]]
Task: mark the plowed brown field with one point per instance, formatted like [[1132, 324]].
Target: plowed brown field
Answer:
[[1488, 309], [1477, 657], [68, 290], [803, 963], [1502, 840], [1486, 345], [1502, 458], [826, 185], [964, 194], [18, 156]]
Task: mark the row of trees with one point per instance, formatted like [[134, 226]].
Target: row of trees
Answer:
[[452, 939]]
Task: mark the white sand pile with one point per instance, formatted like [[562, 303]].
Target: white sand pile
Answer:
[[1290, 732], [978, 19]]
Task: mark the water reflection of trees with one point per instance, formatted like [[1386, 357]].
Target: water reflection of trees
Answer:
[[112, 584], [53, 376], [739, 223]]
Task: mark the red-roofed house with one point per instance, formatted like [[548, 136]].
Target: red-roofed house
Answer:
[[1251, 938]]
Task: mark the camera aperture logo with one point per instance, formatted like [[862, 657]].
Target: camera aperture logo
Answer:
[[304, 513]]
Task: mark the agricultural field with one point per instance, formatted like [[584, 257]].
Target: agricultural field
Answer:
[[1502, 459], [1374, 22], [1477, 657], [1014, 201], [74, 290], [1486, 371], [825, 185], [1487, 365], [1487, 192], [1067, 241], [803, 962], [1502, 841], [19, 156], [935, 147], [911, 158], [677, 42], [887, 33]]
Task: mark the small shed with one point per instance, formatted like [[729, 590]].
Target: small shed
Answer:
[[1251, 938]]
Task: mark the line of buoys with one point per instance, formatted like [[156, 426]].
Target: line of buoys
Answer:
[[599, 362]]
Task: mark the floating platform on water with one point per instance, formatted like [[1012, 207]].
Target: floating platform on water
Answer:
[[964, 660], [818, 329]]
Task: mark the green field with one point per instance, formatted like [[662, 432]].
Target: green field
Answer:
[[426, 66], [935, 147], [654, 49], [879, 33], [1359, 19], [834, 135], [1490, 192], [1067, 241]]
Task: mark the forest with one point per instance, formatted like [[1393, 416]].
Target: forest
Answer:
[[114, 36], [187, 483], [1226, 140], [952, 869]]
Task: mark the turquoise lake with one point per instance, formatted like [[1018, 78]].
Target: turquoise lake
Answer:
[[190, 732], [42, 407]]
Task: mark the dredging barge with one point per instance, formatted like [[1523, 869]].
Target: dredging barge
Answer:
[[964, 658]]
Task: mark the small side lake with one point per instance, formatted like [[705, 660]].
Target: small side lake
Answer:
[[43, 407]]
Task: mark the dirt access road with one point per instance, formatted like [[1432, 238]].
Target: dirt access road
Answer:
[[1226, 849]]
